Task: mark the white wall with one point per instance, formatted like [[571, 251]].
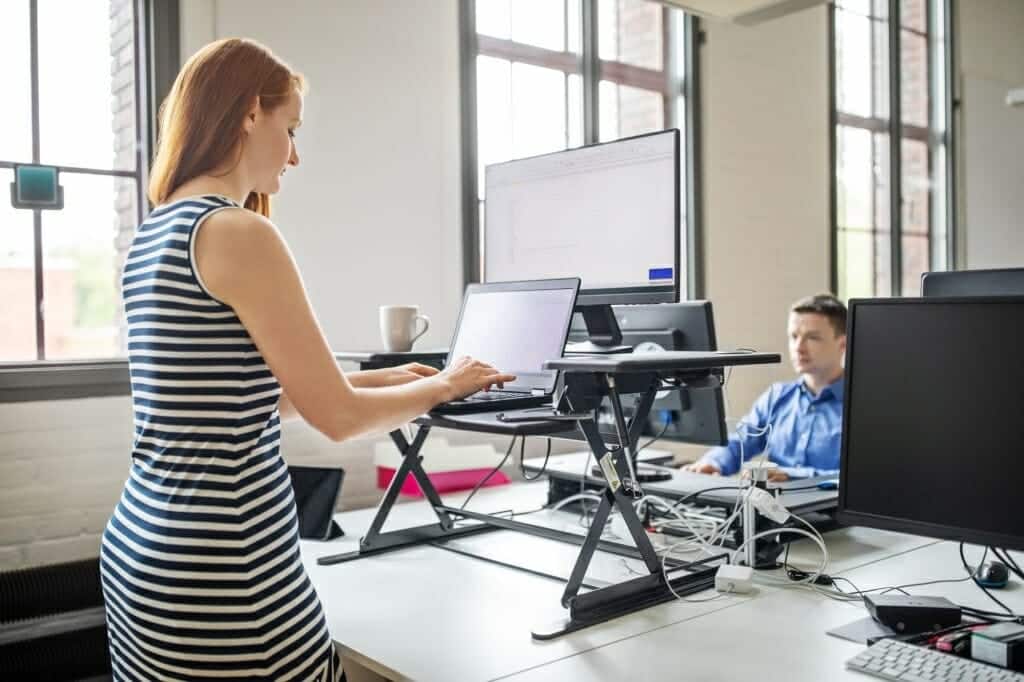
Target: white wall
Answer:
[[991, 47], [373, 211], [766, 182]]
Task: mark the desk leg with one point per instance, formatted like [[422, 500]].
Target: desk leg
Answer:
[[376, 542]]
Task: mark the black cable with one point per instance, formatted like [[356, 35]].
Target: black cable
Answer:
[[967, 567], [522, 466], [492, 472], [695, 495], [655, 439], [1004, 556]]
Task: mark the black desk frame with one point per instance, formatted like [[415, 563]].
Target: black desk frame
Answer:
[[581, 393]]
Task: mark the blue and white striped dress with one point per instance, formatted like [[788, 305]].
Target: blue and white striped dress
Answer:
[[200, 561]]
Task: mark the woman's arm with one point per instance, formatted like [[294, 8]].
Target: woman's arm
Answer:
[[243, 261]]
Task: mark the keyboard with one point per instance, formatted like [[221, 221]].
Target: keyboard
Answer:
[[892, 660]]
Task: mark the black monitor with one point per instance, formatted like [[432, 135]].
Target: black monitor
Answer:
[[932, 414], [1007, 282], [688, 415], [608, 213]]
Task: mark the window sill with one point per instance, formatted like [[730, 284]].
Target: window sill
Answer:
[[30, 381]]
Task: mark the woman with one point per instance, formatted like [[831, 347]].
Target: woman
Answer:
[[200, 561]]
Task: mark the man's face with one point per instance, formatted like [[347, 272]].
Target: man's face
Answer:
[[814, 346]]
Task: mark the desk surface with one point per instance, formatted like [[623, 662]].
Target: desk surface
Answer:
[[430, 614]]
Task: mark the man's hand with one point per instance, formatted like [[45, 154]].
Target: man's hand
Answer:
[[703, 468]]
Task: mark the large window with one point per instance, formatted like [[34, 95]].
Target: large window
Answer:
[[72, 100], [892, 145], [546, 75]]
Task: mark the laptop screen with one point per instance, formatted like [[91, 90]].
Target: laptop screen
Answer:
[[515, 331]]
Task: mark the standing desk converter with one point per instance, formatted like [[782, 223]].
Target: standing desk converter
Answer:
[[586, 382]]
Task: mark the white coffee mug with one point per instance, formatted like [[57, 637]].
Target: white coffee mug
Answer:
[[398, 326]]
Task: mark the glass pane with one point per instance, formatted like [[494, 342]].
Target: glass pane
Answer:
[[882, 193], [862, 7], [87, 84], [916, 214], [534, 22], [83, 253], [493, 113], [16, 110], [17, 280], [880, 68], [855, 178], [538, 110], [914, 78], [856, 263], [574, 26], [940, 235], [494, 18], [914, 15], [631, 32], [854, 70], [574, 97], [626, 111]]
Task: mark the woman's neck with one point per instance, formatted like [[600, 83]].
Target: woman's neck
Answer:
[[230, 186]]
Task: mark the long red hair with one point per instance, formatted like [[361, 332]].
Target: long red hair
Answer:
[[201, 119]]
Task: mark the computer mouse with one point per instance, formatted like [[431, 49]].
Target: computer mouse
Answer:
[[992, 574], [828, 484]]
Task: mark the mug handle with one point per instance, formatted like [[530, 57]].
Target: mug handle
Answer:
[[426, 326]]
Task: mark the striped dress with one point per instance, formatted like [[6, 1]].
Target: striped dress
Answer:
[[200, 561]]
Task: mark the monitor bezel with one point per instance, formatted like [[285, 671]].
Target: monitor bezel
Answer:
[[968, 280], [669, 293], [848, 516]]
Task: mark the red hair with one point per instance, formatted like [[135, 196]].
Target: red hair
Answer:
[[201, 119]]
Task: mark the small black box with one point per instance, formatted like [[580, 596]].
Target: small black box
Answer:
[[908, 613]]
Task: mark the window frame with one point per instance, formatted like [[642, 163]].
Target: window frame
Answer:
[[157, 59], [898, 131], [592, 71]]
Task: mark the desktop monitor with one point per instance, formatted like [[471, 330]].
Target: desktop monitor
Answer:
[[607, 213], [932, 411], [690, 415], [1008, 282]]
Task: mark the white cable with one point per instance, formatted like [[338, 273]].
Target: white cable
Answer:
[[815, 536], [594, 497]]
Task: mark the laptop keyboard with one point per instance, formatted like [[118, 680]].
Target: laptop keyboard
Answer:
[[484, 396]]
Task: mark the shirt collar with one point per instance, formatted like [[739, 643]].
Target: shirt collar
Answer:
[[835, 390]]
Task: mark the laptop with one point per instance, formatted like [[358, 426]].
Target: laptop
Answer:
[[515, 327]]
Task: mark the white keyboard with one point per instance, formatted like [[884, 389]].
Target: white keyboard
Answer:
[[906, 662]]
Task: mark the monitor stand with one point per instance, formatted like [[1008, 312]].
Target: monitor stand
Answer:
[[603, 330]]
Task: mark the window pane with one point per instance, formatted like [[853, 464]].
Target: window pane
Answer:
[[913, 15], [493, 113], [856, 259], [914, 78], [533, 22], [882, 195], [853, 64], [16, 110], [916, 215], [626, 111], [940, 236], [631, 32], [83, 252], [87, 84], [17, 281], [855, 179], [538, 110]]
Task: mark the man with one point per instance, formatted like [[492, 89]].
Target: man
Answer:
[[805, 415]]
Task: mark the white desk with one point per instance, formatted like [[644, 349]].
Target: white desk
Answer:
[[779, 635], [429, 614]]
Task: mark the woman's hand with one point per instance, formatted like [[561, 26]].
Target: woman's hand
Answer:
[[391, 376], [466, 376]]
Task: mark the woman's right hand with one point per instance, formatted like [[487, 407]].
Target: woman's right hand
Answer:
[[466, 376]]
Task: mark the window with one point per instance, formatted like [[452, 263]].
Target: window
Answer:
[[544, 75], [73, 100], [892, 163]]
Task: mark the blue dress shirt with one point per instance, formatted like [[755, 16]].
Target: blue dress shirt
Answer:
[[805, 436]]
